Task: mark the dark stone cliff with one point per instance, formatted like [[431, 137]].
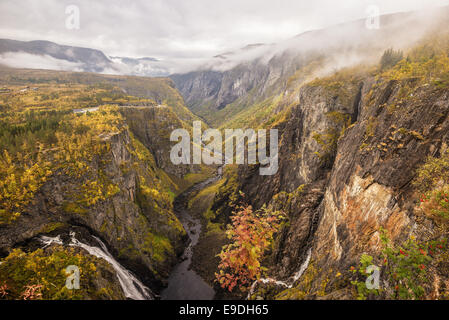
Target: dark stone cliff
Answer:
[[339, 196]]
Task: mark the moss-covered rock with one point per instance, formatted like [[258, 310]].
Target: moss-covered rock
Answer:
[[45, 271]]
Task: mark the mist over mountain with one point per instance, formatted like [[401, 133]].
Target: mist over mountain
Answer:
[[48, 55], [14, 53], [149, 67], [96, 167], [346, 44], [237, 79]]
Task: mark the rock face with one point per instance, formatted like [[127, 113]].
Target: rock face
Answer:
[[198, 87], [207, 92], [138, 226], [313, 113], [298, 147], [233, 81], [153, 126], [364, 182], [370, 183]]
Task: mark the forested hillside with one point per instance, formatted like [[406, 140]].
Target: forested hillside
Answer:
[[75, 154]]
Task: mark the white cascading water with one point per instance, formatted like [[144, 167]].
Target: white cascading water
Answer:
[[131, 286], [286, 284]]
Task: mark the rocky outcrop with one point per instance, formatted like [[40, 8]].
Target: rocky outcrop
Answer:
[[365, 183], [314, 113], [370, 183], [199, 87], [207, 92], [153, 126], [234, 81], [141, 230]]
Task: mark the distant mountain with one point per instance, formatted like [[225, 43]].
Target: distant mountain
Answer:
[[233, 81], [49, 55], [141, 66], [83, 59], [229, 54]]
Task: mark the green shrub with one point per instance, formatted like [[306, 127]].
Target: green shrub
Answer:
[[390, 58], [42, 275]]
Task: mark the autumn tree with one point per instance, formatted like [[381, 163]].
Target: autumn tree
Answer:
[[251, 234]]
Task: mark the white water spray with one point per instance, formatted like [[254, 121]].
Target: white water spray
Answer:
[[286, 284], [131, 286]]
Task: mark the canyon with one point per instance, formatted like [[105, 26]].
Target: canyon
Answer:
[[361, 148]]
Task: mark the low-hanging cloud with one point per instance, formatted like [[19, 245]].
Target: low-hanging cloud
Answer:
[[345, 44], [185, 35], [32, 61]]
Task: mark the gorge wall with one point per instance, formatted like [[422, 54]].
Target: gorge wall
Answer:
[[348, 155], [110, 178]]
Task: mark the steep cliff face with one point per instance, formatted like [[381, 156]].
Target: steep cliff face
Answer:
[[94, 161], [198, 87], [136, 220], [370, 183], [349, 151], [232, 82], [153, 126], [304, 157], [218, 95]]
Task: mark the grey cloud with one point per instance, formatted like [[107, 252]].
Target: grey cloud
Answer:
[[26, 60], [181, 33]]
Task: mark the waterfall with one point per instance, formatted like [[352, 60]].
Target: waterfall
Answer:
[[286, 284], [303, 268], [131, 286]]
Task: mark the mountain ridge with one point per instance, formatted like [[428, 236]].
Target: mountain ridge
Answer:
[[72, 58]]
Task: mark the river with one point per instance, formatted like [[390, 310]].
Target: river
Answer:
[[184, 283]]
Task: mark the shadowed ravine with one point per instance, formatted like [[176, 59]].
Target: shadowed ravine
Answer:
[[184, 283]]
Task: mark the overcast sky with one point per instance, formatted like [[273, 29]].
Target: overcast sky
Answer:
[[168, 29]]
